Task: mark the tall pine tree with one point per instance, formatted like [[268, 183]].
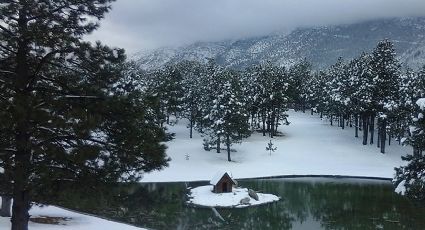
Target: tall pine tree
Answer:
[[68, 118]]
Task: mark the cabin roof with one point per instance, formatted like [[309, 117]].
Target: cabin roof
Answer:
[[217, 177]]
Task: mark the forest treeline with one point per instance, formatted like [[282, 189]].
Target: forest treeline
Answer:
[[371, 93]]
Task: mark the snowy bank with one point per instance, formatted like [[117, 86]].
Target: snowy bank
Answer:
[[401, 189], [203, 196], [68, 221]]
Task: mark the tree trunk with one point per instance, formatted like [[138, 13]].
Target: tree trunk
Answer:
[[218, 144], [268, 122], [6, 202], [272, 124], [360, 121], [378, 142], [252, 121], [342, 122], [383, 134], [332, 120], [365, 131], [21, 193], [389, 139], [277, 121], [372, 128], [311, 111], [228, 148], [264, 126], [22, 115], [356, 123], [191, 127], [350, 119], [338, 121]]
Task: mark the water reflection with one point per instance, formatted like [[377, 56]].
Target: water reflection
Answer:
[[308, 203]]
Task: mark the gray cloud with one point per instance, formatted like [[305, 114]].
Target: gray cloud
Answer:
[[146, 24]]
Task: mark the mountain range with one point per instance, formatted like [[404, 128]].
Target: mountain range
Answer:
[[322, 46]]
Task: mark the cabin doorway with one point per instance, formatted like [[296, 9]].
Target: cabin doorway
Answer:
[[224, 187]]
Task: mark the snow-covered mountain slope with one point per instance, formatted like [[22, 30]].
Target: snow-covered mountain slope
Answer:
[[322, 45]]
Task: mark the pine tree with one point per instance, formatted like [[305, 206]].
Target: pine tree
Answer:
[[272, 97], [211, 104], [299, 75], [68, 118], [235, 120], [192, 88], [225, 116], [385, 71], [411, 177], [363, 95], [339, 91], [270, 147], [318, 92], [170, 90]]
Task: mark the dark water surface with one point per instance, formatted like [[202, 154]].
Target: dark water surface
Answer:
[[307, 203]]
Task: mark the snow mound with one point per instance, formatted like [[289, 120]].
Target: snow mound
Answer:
[[71, 221], [421, 103], [203, 196], [401, 188]]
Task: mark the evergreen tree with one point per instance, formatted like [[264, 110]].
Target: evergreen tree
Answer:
[[271, 99], [226, 116], [318, 92], [211, 104], [299, 75], [410, 178], [270, 147], [362, 97], [235, 125], [339, 91], [192, 87], [385, 71], [68, 119]]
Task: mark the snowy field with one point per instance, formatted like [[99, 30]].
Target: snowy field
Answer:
[[309, 146], [76, 221]]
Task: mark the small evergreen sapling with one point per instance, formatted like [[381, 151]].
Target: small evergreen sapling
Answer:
[[270, 147]]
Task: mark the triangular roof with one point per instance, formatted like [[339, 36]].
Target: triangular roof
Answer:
[[217, 177]]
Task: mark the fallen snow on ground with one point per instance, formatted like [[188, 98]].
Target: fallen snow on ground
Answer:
[[203, 196], [76, 221], [310, 146]]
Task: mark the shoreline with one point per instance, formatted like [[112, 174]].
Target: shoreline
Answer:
[[289, 176]]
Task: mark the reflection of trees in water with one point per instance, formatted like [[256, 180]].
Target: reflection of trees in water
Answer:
[[334, 205], [350, 206], [150, 206]]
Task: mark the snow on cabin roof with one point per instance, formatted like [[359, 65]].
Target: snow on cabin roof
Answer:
[[217, 177]]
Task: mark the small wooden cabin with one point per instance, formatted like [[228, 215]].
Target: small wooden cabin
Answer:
[[222, 183]]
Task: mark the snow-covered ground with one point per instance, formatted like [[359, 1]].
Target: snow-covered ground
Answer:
[[203, 196], [75, 221], [309, 146]]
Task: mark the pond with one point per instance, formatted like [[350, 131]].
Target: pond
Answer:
[[307, 203]]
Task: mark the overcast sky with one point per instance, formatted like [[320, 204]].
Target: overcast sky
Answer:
[[147, 24]]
